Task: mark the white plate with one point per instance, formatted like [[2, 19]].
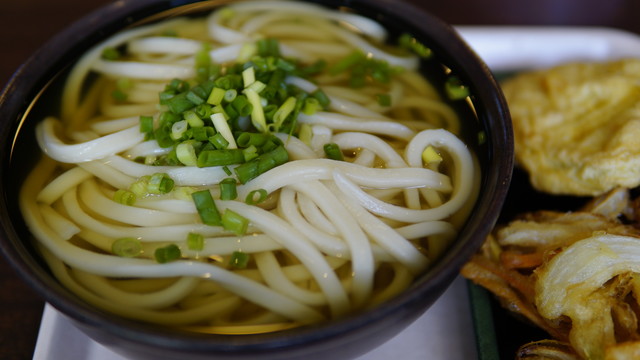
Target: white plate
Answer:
[[445, 331]]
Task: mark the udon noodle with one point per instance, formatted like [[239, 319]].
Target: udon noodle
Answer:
[[324, 236]]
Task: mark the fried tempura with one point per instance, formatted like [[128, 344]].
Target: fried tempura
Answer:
[[577, 126]]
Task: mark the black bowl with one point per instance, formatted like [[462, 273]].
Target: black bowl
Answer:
[[21, 103]]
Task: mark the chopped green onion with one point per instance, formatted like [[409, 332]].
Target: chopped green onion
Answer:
[[139, 187], [384, 99], [333, 151], [247, 139], [250, 153], [146, 124], [206, 207], [239, 260], [407, 41], [230, 95], [202, 133], [227, 170], [160, 183], [218, 141], [347, 62], [263, 163], [311, 106], [268, 47], [110, 53], [257, 114], [126, 247], [216, 96], [242, 105], [305, 134], [203, 62], [186, 154], [124, 197], [222, 127], [228, 190], [178, 129], [251, 197], [234, 222], [248, 76], [283, 111], [193, 119], [274, 83], [455, 89], [203, 111], [246, 52], [209, 158], [285, 65], [195, 241], [323, 99], [179, 103], [167, 253], [257, 86]]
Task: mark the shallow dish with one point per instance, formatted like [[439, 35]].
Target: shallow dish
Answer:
[[22, 105]]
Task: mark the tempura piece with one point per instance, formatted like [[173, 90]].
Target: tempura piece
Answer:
[[577, 126], [575, 275]]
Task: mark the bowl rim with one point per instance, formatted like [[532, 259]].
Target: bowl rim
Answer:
[[108, 19]]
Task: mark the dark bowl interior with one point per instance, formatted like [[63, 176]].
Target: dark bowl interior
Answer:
[[27, 98]]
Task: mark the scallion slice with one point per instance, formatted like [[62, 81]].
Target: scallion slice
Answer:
[[146, 124], [207, 208], [261, 164], [228, 190], [234, 222], [209, 158], [124, 197], [160, 183], [186, 154], [239, 260], [167, 253], [333, 151], [195, 241], [256, 197]]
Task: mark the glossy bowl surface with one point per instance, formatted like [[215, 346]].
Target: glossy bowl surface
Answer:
[[21, 107]]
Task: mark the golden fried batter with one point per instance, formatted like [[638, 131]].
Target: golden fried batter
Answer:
[[577, 126]]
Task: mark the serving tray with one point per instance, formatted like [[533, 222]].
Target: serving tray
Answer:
[[465, 323]]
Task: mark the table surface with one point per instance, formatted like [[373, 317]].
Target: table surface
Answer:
[[28, 24]]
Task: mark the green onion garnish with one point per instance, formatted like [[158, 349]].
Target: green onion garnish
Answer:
[[167, 253], [195, 241], [261, 164], [234, 222], [110, 53], [186, 154], [207, 208], [408, 42], [124, 197], [228, 189], [256, 197], [218, 141], [455, 89], [160, 183], [126, 247], [333, 152], [208, 158], [146, 124], [239, 260]]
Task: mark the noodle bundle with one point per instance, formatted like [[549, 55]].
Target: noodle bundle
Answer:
[[138, 220]]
